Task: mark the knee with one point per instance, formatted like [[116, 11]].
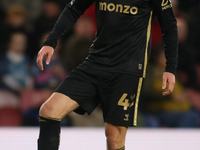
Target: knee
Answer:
[[45, 110]]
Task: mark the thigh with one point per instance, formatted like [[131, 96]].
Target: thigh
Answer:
[[121, 106]]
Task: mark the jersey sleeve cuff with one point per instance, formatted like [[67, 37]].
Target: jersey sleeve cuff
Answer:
[[170, 69], [51, 43]]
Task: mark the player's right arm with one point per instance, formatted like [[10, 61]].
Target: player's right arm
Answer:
[[65, 22]]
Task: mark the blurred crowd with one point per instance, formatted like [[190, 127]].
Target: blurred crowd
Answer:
[[24, 26]]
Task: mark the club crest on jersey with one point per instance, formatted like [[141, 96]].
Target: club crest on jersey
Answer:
[[166, 4], [125, 9]]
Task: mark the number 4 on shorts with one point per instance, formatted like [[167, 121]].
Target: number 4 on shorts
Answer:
[[125, 102]]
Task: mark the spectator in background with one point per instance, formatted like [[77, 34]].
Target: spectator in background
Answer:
[[193, 18], [15, 77], [15, 18], [187, 57], [33, 8], [14, 65], [191, 9], [76, 48], [14, 21], [51, 11], [170, 111]]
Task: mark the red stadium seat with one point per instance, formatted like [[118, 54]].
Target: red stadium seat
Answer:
[[10, 116]]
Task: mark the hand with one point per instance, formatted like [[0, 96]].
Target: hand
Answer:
[[45, 50], [170, 79]]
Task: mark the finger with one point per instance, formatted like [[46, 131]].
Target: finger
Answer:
[[39, 61], [166, 92], [48, 58], [169, 89], [171, 86], [164, 83]]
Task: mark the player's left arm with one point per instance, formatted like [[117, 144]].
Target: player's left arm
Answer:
[[167, 21]]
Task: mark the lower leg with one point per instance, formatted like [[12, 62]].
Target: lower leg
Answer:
[[49, 134], [51, 112], [115, 136]]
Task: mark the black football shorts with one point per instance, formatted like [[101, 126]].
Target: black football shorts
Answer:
[[118, 93]]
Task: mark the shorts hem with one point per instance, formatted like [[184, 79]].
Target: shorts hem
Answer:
[[80, 105]]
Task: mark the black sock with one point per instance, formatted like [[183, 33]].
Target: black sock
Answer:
[[49, 138], [123, 148]]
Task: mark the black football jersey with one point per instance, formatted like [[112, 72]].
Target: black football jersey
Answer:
[[123, 39]]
